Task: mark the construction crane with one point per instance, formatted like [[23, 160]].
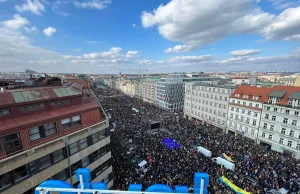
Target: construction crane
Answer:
[[139, 70]]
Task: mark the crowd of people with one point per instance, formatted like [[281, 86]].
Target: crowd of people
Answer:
[[177, 166]]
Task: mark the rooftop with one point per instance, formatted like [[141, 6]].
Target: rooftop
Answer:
[[9, 97]]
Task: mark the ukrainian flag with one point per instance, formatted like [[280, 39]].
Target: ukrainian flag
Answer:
[[233, 186]]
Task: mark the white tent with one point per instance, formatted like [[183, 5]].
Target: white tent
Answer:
[[225, 163], [142, 163], [204, 151]]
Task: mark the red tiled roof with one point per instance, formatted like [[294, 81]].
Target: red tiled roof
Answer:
[[263, 93], [289, 89], [250, 91], [79, 81]]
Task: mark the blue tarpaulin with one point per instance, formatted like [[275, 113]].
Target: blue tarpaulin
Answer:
[[170, 143]]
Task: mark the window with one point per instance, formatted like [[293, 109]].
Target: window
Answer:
[[296, 113], [270, 136], [275, 109], [83, 143], [220, 97], [220, 105], [238, 102], [281, 140], [85, 161], [4, 181], [31, 107], [285, 120], [249, 112], [242, 118], [263, 135], [283, 130], [257, 105], [43, 162], [232, 108], [273, 118], [12, 143], [76, 120], [224, 115], [61, 102], [268, 108], [250, 104], [75, 166], [237, 110], [4, 112], [255, 114], [216, 104], [248, 120], [246, 129], [289, 143], [244, 103], [233, 101], [252, 132], [287, 112], [42, 131], [267, 116], [298, 146], [215, 112], [254, 122], [58, 155], [62, 175], [294, 122], [210, 103], [225, 98], [272, 128], [236, 117], [231, 116], [223, 122], [20, 173], [265, 125], [224, 107], [243, 111], [292, 133], [66, 123]]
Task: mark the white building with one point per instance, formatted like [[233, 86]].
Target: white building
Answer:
[[149, 90], [280, 121], [245, 109], [243, 80], [207, 103]]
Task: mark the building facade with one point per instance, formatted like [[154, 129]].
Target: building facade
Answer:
[[245, 107], [207, 103], [170, 90], [280, 121], [149, 90], [50, 132]]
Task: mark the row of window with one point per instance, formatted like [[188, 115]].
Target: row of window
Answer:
[[245, 96], [33, 107], [204, 88], [205, 117], [247, 103], [207, 102], [285, 120], [210, 111], [287, 111], [44, 162], [208, 96], [281, 140], [242, 119], [241, 128], [243, 111]]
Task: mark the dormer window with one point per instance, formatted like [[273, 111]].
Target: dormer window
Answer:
[[290, 102]]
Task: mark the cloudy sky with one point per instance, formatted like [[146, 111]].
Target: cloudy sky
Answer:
[[109, 36]]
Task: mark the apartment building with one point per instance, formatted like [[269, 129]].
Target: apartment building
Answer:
[[207, 103], [48, 133], [245, 107], [149, 90], [280, 121], [170, 90]]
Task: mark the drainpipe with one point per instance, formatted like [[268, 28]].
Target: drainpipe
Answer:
[[69, 163]]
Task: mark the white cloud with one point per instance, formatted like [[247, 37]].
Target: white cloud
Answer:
[[91, 42], [16, 23], [33, 6], [77, 50], [286, 26], [49, 31], [2, 1], [133, 25], [284, 4], [191, 59], [93, 4], [132, 54], [202, 26], [32, 29], [245, 52]]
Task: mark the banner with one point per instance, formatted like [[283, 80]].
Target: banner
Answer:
[[235, 188], [227, 157]]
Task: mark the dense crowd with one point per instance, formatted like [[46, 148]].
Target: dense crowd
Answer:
[[177, 166]]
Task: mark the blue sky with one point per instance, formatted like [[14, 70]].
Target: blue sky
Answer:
[[109, 36]]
